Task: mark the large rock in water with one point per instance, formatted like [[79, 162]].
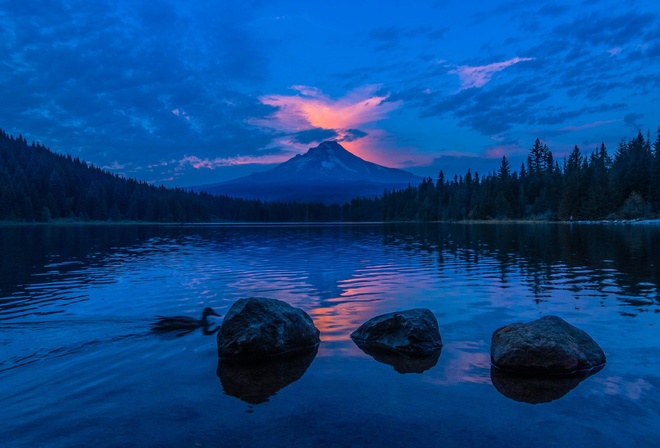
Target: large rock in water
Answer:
[[257, 329], [549, 345], [411, 332]]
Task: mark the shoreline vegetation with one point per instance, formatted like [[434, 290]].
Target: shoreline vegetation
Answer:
[[39, 186], [73, 223]]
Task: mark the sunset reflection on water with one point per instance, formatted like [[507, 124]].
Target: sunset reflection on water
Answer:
[[74, 299]]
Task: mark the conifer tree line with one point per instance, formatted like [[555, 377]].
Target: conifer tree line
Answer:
[[592, 186], [37, 185]]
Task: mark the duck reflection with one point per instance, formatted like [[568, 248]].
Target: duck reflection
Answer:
[[402, 363], [255, 383], [180, 325], [535, 390]]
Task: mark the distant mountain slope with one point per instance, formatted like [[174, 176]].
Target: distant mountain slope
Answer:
[[327, 173], [39, 185]]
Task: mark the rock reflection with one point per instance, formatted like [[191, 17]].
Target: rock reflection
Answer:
[[255, 383], [402, 363], [535, 390]]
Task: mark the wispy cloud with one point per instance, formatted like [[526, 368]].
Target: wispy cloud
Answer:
[[587, 125], [308, 91], [114, 166], [181, 113], [199, 163], [351, 118], [478, 76], [313, 109]]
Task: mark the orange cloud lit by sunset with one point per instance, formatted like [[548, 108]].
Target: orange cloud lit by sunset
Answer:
[[360, 109], [312, 109]]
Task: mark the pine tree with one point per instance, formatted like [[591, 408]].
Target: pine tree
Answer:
[[654, 187], [598, 203], [504, 171], [631, 169], [573, 187]]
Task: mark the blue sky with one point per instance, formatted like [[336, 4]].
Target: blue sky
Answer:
[[189, 93]]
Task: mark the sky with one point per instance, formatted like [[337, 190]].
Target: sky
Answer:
[[198, 92]]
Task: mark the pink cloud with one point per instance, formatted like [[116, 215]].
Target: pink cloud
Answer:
[[181, 113], [316, 110], [379, 147], [480, 75], [497, 152], [587, 125], [218, 162], [360, 108]]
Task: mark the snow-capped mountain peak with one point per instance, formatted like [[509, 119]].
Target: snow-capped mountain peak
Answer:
[[328, 171]]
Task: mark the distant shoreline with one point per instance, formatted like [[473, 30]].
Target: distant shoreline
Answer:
[[72, 223], [63, 223]]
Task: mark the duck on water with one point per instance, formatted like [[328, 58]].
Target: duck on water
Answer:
[[185, 324]]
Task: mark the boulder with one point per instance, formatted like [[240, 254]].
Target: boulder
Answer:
[[258, 329], [411, 332], [546, 346]]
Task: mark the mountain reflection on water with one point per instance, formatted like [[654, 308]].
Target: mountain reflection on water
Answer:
[[608, 258], [79, 365]]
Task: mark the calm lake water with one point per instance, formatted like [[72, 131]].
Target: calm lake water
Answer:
[[79, 366]]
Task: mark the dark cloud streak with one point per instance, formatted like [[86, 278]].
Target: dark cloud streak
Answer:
[[613, 30], [350, 135], [314, 135]]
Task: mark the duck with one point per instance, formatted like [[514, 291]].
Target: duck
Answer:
[[184, 324]]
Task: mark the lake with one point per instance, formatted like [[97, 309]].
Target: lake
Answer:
[[79, 366]]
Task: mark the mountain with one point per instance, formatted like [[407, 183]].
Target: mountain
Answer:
[[327, 173], [39, 185]]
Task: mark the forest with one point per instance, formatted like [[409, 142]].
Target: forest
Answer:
[[38, 185], [594, 186]]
